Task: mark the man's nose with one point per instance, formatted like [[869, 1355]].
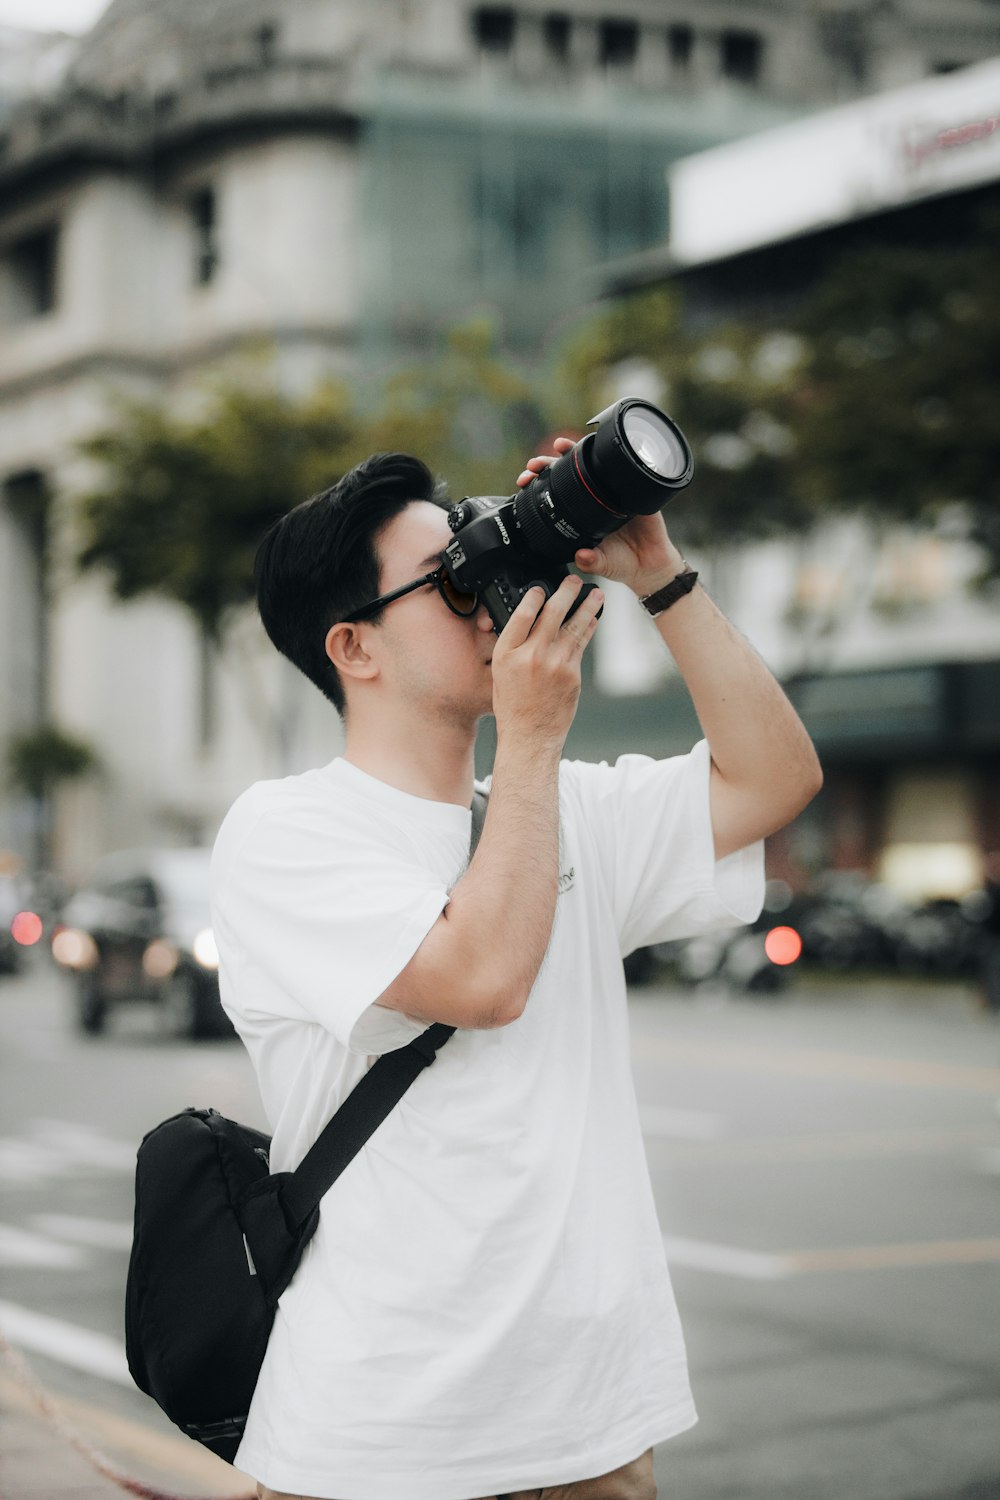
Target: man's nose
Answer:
[[483, 620]]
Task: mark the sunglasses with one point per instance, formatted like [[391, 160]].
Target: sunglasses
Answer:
[[457, 600]]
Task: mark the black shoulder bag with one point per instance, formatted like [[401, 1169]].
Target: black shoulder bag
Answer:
[[218, 1236]]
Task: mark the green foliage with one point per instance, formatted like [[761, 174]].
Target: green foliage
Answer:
[[39, 760], [465, 409], [729, 393], [897, 411], [880, 397], [184, 500]]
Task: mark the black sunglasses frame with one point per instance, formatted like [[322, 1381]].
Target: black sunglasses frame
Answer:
[[437, 579]]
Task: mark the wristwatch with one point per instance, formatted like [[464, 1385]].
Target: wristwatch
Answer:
[[671, 592]]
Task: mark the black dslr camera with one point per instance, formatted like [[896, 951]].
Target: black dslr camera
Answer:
[[629, 465]]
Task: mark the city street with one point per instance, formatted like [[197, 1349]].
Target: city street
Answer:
[[827, 1171]]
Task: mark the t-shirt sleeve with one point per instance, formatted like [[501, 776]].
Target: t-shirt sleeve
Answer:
[[330, 914], [651, 822]]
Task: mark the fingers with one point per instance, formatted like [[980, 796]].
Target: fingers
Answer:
[[534, 466], [552, 617], [584, 621], [545, 618], [518, 627]]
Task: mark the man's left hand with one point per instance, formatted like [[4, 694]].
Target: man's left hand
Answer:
[[640, 554]]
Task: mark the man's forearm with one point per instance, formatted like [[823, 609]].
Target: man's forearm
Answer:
[[502, 909], [760, 749]]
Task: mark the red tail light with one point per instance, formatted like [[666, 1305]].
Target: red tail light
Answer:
[[783, 945], [26, 928]]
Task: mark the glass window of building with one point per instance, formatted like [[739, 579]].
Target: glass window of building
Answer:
[[742, 55], [680, 40], [556, 30], [619, 43], [29, 275], [493, 27], [206, 248]]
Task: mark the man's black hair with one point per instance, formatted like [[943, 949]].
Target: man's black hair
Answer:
[[319, 562]]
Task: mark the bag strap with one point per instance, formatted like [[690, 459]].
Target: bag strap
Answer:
[[369, 1102]]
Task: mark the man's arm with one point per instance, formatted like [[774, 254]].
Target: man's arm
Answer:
[[477, 965], [764, 767]]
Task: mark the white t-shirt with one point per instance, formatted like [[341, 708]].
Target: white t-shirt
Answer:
[[485, 1306]]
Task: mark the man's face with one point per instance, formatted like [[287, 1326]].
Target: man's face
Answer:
[[428, 655]]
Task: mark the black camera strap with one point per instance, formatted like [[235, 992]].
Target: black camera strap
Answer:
[[369, 1102]]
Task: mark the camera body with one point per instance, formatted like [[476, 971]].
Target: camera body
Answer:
[[490, 556], [630, 464]]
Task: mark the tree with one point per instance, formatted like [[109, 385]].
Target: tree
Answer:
[[877, 398], [37, 764], [729, 393], [896, 414], [182, 501]]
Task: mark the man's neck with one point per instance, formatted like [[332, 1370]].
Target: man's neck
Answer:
[[436, 762]]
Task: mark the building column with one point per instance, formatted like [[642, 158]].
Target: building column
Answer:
[[652, 66], [704, 65], [584, 50], [529, 47]]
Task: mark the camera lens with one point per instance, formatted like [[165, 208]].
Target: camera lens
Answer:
[[653, 442], [631, 464]]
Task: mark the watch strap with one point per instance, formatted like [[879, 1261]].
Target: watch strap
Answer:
[[656, 603]]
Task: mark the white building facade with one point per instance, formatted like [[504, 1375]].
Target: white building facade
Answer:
[[334, 179]]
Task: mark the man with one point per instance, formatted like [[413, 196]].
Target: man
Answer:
[[485, 1309]]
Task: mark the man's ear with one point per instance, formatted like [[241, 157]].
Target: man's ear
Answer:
[[345, 646]]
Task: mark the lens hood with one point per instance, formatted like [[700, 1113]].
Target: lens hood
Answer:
[[635, 458]]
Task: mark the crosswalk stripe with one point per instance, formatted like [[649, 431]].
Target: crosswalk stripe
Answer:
[[28, 1161], [84, 1144], [659, 1121], [59, 1148], [20, 1247], [102, 1234], [751, 1265], [80, 1348]]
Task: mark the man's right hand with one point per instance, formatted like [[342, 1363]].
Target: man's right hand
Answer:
[[536, 663], [473, 973]]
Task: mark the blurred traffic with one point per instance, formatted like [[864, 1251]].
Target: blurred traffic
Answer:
[[842, 923], [137, 934]]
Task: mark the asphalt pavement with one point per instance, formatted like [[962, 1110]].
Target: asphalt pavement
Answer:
[[827, 1172]]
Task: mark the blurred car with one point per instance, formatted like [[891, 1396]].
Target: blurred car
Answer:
[[140, 932]]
